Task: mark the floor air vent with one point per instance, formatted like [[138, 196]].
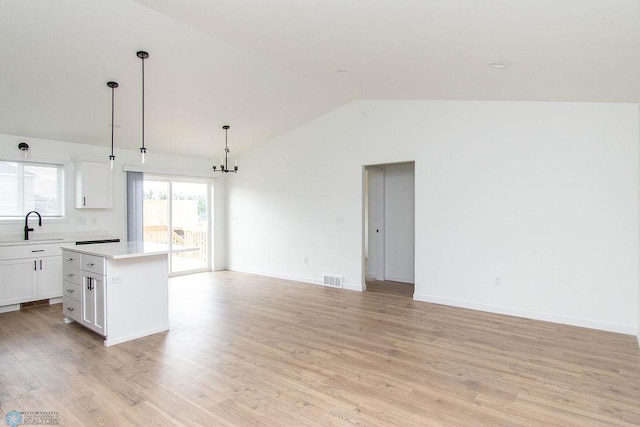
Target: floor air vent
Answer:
[[333, 281]]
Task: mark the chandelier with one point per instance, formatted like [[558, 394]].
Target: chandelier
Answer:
[[224, 161]]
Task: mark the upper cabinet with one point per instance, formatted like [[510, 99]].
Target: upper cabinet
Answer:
[[93, 186]]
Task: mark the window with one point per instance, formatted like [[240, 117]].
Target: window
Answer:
[[31, 187]]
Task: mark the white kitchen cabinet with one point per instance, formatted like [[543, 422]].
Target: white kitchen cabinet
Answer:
[[84, 297], [93, 293], [124, 295], [30, 273], [93, 303], [18, 281], [72, 288], [93, 186], [49, 277]]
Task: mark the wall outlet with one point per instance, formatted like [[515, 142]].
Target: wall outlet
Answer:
[[498, 281], [82, 220], [305, 260]]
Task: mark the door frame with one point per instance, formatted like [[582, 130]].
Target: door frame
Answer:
[[379, 273], [170, 180]]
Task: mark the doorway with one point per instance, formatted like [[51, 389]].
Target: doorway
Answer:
[[389, 227]]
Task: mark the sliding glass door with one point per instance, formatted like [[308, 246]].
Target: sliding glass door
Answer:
[[176, 212]]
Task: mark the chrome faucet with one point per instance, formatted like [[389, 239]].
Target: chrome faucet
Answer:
[[26, 224]]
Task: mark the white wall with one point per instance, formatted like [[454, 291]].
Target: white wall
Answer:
[[399, 231], [98, 222], [542, 195]]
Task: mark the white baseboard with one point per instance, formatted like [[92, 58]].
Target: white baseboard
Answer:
[[8, 308], [565, 320], [309, 280], [123, 338]]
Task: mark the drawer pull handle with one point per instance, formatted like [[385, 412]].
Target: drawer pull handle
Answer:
[[69, 274], [68, 259], [90, 264], [69, 308], [70, 291], [39, 250]]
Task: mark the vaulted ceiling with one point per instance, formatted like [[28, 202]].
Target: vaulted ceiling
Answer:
[[268, 66]]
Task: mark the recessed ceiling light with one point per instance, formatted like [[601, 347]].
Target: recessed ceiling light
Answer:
[[499, 65], [343, 72]]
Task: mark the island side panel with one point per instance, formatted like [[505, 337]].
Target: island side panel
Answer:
[[137, 297]]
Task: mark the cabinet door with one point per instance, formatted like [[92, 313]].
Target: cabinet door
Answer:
[[93, 303], [93, 185], [88, 310], [99, 299], [50, 277], [18, 281]]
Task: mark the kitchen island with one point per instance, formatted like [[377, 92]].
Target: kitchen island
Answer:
[[118, 290]]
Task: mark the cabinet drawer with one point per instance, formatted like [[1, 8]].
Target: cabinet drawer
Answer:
[[72, 274], [19, 251], [72, 290], [71, 259], [94, 264], [71, 308]]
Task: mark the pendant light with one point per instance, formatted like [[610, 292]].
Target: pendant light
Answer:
[[224, 161], [142, 55], [24, 148], [112, 85]]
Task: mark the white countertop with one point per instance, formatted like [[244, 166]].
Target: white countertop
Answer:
[[35, 242], [56, 238], [121, 250]]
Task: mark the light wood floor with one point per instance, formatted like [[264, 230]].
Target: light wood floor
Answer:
[[246, 350], [389, 287]]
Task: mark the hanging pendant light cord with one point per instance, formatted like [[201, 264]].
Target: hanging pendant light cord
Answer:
[[226, 150], [113, 86], [143, 102], [112, 116], [142, 55]]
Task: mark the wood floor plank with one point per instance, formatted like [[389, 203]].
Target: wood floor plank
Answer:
[[252, 350]]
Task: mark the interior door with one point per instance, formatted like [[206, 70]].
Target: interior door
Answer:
[[375, 220]]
